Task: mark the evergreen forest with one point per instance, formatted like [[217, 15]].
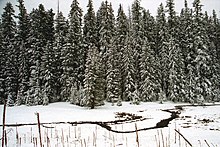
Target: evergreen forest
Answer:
[[93, 57]]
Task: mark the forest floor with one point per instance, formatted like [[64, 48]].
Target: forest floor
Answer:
[[145, 125]]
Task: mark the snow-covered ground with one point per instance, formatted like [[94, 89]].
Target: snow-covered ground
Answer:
[[199, 125]]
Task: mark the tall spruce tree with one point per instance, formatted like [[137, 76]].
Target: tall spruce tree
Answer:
[[129, 71], [148, 65], [10, 73], [89, 31], [149, 23], [48, 61], [128, 68], [115, 78], [23, 58], [89, 28], [186, 49], [201, 61], [2, 61], [48, 91], [170, 5], [162, 52], [61, 31], [93, 94], [106, 31], [175, 61], [216, 55], [73, 58], [176, 72], [149, 84], [75, 18], [89, 43], [137, 41], [122, 30], [211, 24], [42, 31]]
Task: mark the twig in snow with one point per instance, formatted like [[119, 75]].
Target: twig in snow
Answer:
[[137, 138], [183, 137], [207, 143], [3, 123], [38, 122]]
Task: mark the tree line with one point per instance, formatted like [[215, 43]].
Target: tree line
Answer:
[[96, 57]]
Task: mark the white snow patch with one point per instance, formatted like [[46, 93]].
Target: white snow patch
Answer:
[[198, 124]]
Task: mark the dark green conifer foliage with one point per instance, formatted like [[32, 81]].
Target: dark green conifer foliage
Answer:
[[61, 31], [93, 81], [106, 31], [162, 52], [201, 61], [10, 74], [135, 58], [23, 56], [2, 67], [73, 53], [42, 32], [89, 28], [121, 34], [75, 40], [137, 42], [89, 32]]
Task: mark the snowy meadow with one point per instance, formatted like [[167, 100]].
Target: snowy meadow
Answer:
[[195, 126], [108, 78]]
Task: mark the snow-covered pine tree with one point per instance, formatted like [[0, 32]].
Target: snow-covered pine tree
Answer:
[[100, 17], [170, 5], [215, 23], [89, 28], [2, 67], [106, 31], [176, 73], [40, 33], [129, 71], [48, 66], [122, 29], [115, 60], [48, 70], [211, 25], [216, 26], [23, 75], [162, 52], [73, 53], [175, 81], [89, 32], [75, 39], [187, 51], [49, 26], [23, 58], [185, 33], [149, 79], [94, 95], [149, 27], [148, 63], [61, 31], [137, 40], [113, 76], [89, 41], [67, 80], [201, 60], [9, 49]]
